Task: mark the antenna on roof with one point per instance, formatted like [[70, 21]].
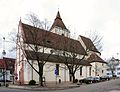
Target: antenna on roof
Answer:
[[58, 7]]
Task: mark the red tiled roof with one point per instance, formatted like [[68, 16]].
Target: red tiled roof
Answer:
[[95, 58], [32, 35], [2, 64], [6, 62], [54, 58], [58, 22], [89, 44]]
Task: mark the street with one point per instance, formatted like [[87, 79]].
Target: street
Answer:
[[108, 86]]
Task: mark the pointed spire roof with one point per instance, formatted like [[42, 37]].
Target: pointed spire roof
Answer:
[[58, 22], [58, 15]]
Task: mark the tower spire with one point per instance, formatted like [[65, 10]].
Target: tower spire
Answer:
[[59, 27], [58, 22], [58, 15]]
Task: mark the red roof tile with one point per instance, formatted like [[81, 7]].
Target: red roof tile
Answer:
[[55, 58], [6, 62], [32, 35], [2, 64], [89, 44], [95, 58]]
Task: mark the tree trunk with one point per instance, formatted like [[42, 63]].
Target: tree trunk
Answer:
[[70, 76], [73, 76], [41, 80], [41, 74], [112, 73]]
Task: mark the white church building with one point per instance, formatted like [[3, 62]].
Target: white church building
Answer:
[[57, 42]]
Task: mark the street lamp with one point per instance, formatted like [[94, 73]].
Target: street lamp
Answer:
[[4, 53]]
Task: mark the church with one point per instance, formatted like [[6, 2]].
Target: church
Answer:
[[57, 51]]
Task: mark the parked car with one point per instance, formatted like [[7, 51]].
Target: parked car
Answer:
[[89, 80], [104, 78], [96, 79]]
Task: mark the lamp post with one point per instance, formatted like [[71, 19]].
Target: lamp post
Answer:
[[4, 53]]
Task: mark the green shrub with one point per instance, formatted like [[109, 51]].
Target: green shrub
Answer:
[[32, 82], [7, 85], [76, 80]]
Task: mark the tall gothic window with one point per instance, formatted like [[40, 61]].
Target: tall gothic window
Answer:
[[89, 71], [81, 71]]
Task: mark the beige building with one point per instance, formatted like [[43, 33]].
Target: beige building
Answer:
[[56, 49]]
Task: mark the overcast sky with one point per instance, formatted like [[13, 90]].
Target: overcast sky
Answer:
[[80, 16]]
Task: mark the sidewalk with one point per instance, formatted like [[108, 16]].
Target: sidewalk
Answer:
[[49, 86]]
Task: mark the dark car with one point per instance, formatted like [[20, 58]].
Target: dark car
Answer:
[[87, 80], [104, 78]]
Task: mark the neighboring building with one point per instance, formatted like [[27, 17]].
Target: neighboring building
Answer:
[[117, 73], [113, 65], [7, 67], [56, 41]]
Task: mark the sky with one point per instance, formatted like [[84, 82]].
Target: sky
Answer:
[[80, 16]]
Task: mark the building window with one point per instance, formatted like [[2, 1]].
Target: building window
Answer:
[[62, 34], [57, 69], [118, 73], [19, 55], [118, 68], [89, 71], [102, 71], [108, 69], [80, 71], [48, 41]]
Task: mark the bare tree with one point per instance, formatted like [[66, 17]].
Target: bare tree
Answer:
[[35, 21], [96, 39], [33, 51], [34, 47], [71, 59]]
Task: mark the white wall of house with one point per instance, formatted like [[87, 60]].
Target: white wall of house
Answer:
[[49, 73]]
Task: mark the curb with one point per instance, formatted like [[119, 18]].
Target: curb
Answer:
[[44, 88]]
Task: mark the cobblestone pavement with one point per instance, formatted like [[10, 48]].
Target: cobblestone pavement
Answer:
[[114, 91], [108, 86]]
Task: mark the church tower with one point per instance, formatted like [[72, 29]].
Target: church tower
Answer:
[[59, 27]]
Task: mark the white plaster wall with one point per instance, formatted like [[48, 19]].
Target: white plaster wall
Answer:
[[61, 31], [49, 73]]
